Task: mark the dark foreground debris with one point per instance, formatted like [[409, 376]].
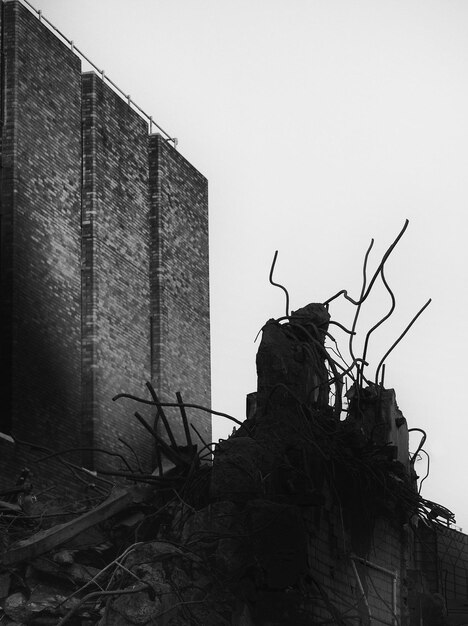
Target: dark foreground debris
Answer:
[[233, 538], [308, 514]]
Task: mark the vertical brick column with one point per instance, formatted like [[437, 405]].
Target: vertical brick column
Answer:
[[116, 312], [179, 277], [40, 237]]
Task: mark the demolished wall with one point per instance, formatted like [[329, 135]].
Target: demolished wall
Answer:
[[301, 518], [308, 514], [439, 575]]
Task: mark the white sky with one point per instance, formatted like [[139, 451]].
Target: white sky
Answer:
[[319, 124]]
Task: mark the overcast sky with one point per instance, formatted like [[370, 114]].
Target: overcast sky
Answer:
[[319, 124]]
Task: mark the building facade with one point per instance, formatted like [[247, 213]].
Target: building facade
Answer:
[[104, 259]]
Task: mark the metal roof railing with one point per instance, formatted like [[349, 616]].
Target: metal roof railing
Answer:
[[102, 73]]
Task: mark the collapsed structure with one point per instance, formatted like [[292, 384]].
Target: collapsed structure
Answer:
[[310, 513]]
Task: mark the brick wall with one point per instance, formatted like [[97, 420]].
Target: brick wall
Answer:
[[441, 557], [116, 312], [348, 575], [40, 227], [179, 282], [452, 554], [69, 343]]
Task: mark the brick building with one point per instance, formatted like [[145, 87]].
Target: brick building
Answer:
[[104, 258]]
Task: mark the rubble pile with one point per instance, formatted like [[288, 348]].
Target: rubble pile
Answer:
[[308, 514], [221, 539]]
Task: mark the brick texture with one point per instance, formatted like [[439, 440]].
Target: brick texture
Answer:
[[104, 262], [116, 312], [179, 282], [40, 227], [443, 559], [341, 573], [452, 553]]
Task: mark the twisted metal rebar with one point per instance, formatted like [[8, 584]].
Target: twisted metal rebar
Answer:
[[277, 284], [421, 310], [377, 272], [381, 321], [187, 405]]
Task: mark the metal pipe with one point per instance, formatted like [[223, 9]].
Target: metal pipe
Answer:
[[361, 588], [389, 572]]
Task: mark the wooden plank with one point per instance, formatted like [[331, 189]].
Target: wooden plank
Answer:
[[46, 540], [8, 506]]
